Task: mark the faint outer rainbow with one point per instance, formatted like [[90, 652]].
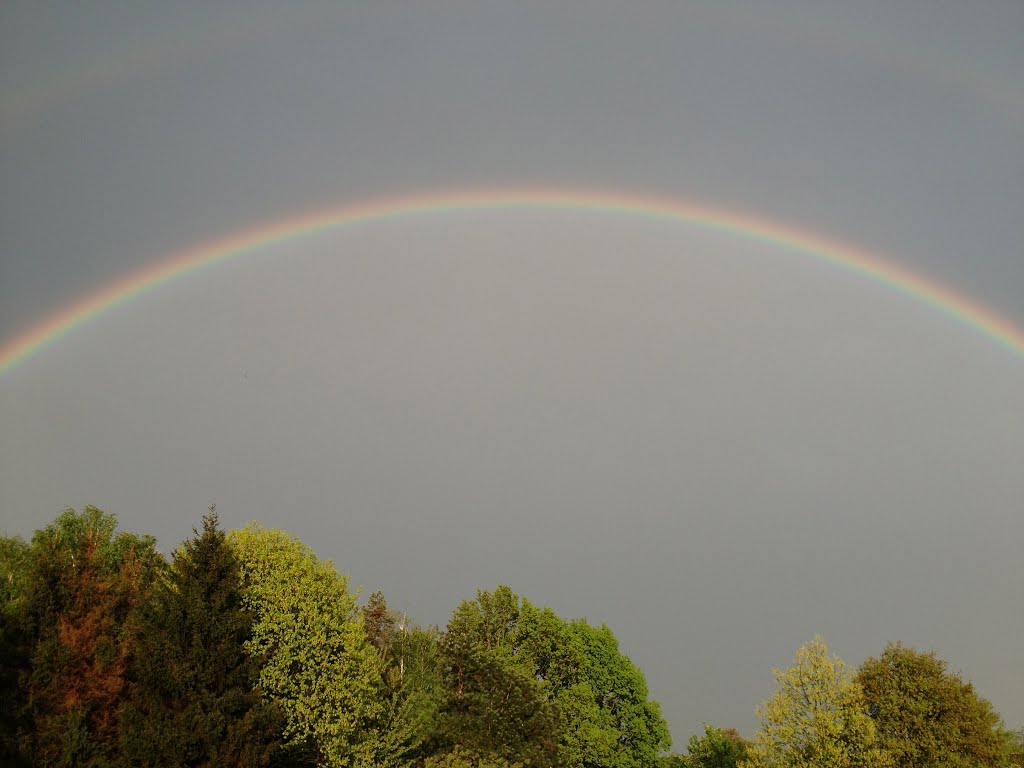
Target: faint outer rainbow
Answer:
[[755, 228]]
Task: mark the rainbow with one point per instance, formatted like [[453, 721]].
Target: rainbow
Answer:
[[754, 228]]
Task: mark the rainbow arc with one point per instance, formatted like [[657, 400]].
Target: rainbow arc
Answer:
[[913, 285]]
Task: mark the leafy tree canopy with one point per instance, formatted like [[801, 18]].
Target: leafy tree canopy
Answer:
[[459, 757], [492, 708], [927, 716], [816, 719], [717, 748], [317, 661], [1015, 748], [594, 701], [616, 724], [411, 676]]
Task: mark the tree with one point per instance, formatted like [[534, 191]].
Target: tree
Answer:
[[317, 661], [1015, 748], [925, 715], [614, 723], [816, 719], [410, 675], [193, 695], [717, 748], [493, 706], [16, 649], [673, 760], [82, 585], [459, 757], [380, 623], [594, 705]]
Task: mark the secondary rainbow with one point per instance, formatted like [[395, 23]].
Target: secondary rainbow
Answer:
[[756, 228]]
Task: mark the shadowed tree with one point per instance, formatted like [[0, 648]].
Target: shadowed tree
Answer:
[[15, 647], [381, 624], [193, 700], [493, 707]]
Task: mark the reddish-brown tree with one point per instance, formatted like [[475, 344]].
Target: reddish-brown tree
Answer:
[[85, 587]]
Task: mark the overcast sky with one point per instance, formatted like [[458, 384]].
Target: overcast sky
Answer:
[[717, 446]]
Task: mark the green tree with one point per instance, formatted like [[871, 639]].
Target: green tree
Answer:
[[318, 662], [927, 716], [493, 706], [717, 748], [672, 760], [410, 675], [595, 701], [193, 696], [459, 757], [816, 719], [614, 722], [1015, 748]]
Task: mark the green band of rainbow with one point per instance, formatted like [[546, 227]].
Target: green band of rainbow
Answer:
[[848, 258]]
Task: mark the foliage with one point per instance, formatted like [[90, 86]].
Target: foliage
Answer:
[[493, 706], [381, 624], [410, 674], [717, 748], [14, 564], [459, 757], [317, 662], [616, 724], [584, 702], [494, 709], [926, 716], [816, 719], [15, 645], [82, 584], [1015, 748], [193, 696], [672, 760]]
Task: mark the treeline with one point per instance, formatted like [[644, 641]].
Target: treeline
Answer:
[[245, 649], [904, 709]]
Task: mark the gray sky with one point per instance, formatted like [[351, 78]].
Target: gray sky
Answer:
[[718, 447]]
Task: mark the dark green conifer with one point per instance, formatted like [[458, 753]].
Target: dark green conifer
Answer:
[[193, 699]]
